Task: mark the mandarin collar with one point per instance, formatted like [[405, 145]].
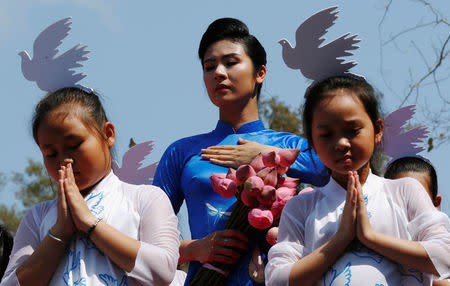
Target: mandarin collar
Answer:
[[225, 128], [333, 185], [104, 184]]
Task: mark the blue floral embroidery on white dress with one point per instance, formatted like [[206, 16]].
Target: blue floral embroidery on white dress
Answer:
[[411, 272], [345, 274], [75, 265], [96, 208], [364, 252], [366, 201], [89, 245], [108, 280]]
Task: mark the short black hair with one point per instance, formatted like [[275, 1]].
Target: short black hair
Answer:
[[413, 164]]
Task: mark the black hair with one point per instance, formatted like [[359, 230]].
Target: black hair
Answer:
[[321, 90], [235, 31], [93, 115], [6, 245], [413, 164]]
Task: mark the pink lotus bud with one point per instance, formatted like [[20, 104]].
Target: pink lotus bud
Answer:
[[260, 218], [282, 170], [271, 159], [225, 187], [271, 178], [254, 185], [272, 235], [288, 156], [306, 190], [288, 182], [231, 174], [248, 200], [267, 195], [283, 194], [216, 179], [257, 163], [219, 175], [243, 173], [264, 171]]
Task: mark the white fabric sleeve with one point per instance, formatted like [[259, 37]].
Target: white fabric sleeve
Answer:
[[157, 258], [431, 228], [290, 246], [26, 241]]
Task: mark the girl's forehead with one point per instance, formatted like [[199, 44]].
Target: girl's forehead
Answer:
[[338, 99], [339, 108], [61, 122]]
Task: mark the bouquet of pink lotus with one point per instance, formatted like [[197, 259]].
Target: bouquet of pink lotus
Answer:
[[262, 190]]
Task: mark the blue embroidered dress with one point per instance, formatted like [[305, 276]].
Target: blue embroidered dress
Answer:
[[183, 175]]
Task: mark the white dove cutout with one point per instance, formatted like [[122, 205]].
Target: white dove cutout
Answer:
[[398, 142], [131, 171], [48, 71], [317, 62]]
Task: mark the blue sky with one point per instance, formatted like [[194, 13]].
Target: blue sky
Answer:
[[144, 62]]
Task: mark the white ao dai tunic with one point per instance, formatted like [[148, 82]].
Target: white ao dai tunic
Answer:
[[141, 212], [399, 208]]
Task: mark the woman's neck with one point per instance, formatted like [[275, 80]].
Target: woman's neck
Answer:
[[236, 115]]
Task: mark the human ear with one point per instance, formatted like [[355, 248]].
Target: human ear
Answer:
[[110, 134], [379, 128], [437, 202], [261, 74]]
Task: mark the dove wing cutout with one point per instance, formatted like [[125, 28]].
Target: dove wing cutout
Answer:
[[46, 43], [309, 34], [315, 62], [131, 171], [396, 141], [48, 71]]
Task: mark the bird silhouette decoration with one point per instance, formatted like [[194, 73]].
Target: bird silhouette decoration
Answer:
[[131, 171], [398, 142], [318, 62], [49, 71]]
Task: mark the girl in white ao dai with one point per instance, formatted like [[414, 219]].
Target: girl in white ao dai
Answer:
[[99, 230], [359, 229]]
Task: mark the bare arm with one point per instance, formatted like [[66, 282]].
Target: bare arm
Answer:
[[120, 248], [40, 266], [405, 252], [309, 269], [38, 269]]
